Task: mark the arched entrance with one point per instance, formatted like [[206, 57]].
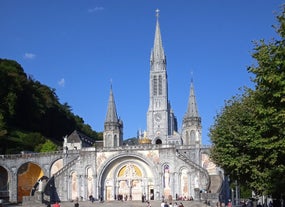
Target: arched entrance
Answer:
[[127, 178], [56, 166], [130, 181], [28, 175], [4, 191]]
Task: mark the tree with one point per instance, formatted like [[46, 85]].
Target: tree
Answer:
[[48, 146], [233, 135], [248, 135], [28, 106], [270, 105], [3, 130], [12, 80]]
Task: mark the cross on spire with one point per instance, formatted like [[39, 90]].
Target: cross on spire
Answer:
[[157, 13]]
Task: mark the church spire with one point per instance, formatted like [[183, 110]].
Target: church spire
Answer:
[[191, 125], [161, 122], [111, 110], [113, 126], [192, 110], [157, 54]]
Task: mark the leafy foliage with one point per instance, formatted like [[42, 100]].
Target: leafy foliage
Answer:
[[249, 133], [3, 131], [28, 106], [48, 146]]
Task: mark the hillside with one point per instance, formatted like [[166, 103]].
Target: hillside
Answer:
[[31, 116]]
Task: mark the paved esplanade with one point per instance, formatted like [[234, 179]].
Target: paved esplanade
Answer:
[[119, 204]]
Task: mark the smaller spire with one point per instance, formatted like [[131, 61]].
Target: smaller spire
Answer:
[[192, 110], [111, 110]]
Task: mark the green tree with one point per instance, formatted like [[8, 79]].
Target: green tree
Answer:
[[249, 133], [3, 130], [233, 135], [270, 106], [28, 106], [12, 81], [48, 146]]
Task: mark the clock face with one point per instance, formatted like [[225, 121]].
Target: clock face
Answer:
[[157, 117]]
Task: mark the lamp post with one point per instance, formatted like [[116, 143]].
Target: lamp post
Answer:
[[237, 194], [233, 197]]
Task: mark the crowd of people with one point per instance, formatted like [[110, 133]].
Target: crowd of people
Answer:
[[170, 204]]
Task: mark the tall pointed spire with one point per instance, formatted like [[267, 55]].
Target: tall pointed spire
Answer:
[[161, 121], [157, 54], [113, 126], [192, 110], [191, 126], [111, 110]]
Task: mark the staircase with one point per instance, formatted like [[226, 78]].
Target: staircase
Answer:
[[198, 167], [49, 194], [216, 183]]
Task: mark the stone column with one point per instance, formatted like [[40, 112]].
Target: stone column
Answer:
[[172, 185], [161, 189], [175, 184], [78, 186], [47, 169], [117, 188], [65, 186], [83, 187], [146, 188], [13, 186], [95, 186], [179, 184], [189, 184]]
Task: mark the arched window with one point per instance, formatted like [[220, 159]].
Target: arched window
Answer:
[[158, 141], [154, 85], [115, 141], [159, 85], [192, 137], [187, 138]]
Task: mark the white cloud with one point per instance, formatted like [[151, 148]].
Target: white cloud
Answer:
[[29, 55], [95, 9], [61, 82]]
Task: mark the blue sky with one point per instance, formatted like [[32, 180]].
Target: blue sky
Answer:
[[79, 47]]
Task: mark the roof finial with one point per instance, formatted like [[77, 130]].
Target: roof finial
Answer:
[[192, 76], [157, 13], [111, 83]]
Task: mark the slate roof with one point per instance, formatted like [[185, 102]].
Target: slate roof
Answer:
[[76, 137]]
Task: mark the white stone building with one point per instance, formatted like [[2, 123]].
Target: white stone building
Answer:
[[162, 164]]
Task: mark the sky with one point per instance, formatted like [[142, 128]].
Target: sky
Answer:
[[80, 48]]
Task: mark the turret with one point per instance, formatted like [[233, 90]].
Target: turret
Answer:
[[113, 126], [191, 126]]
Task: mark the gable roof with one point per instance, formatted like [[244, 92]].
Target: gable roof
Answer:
[[77, 137]]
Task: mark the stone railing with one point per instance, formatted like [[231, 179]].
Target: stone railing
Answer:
[[30, 154]]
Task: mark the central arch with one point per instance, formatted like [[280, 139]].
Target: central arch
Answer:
[[127, 177], [130, 182]]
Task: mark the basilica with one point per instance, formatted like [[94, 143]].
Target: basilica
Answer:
[[161, 164]]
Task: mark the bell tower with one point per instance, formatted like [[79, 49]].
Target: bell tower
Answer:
[[159, 116]]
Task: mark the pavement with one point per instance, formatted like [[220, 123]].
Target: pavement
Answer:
[[112, 204]]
